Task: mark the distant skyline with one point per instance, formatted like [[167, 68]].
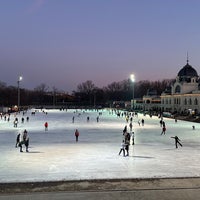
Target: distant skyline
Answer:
[[64, 43]]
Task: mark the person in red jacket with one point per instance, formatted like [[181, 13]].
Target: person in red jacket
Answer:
[[46, 126], [76, 134]]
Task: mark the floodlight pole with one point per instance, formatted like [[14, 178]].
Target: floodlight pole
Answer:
[[18, 89], [132, 77]]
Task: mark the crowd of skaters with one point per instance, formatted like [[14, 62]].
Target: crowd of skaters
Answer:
[[22, 138], [127, 134]]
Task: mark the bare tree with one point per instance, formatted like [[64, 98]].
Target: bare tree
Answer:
[[86, 87], [40, 92], [43, 88]]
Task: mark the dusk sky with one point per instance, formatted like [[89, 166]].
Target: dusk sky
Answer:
[[63, 43]]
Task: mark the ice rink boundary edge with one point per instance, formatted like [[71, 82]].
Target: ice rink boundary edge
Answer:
[[102, 185]]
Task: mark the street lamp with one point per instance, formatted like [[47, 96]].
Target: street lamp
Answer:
[[18, 88], [132, 77]]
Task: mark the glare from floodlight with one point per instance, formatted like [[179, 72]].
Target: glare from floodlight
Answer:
[[132, 77]]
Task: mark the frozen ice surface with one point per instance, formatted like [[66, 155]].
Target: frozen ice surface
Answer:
[[55, 155]]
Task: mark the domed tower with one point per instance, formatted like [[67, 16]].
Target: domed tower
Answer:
[[186, 80], [187, 73], [184, 95]]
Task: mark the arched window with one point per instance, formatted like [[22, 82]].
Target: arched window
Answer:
[[185, 101], [178, 89], [195, 101], [190, 101], [148, 101]]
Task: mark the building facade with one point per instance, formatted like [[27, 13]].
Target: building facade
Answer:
[[183, 96]]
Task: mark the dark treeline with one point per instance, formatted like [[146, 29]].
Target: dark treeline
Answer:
[[86, 93]]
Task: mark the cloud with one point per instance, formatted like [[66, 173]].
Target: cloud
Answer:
[[36, 6]]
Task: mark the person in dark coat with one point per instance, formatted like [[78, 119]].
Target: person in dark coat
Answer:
[[127, 148], [127, 138], [125, 130], [17, 140], [133, 138], [25, 134], [177, 141], [131, 126], [26, 142], [161, 123]]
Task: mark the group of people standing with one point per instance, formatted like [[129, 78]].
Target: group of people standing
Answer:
[[126, 142], [22, 138]]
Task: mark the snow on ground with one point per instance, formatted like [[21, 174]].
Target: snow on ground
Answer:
[[55, 155]]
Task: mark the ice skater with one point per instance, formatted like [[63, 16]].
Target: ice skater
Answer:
[[161, 122], [46, 126], [142, 122], [163, 130], [125, 130], [17, 140], [15, 122], [27, 119], [127, 148], [24, 139], [25, 134], [131, 126], [177, 141], [127, 138], [26, 142], [76, 134], [123, 145], [133, 138]]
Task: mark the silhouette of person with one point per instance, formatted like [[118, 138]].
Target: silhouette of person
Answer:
[[17, 140], [76, 134], [177, 141]]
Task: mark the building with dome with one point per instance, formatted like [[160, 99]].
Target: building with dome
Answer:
[[183, 96]]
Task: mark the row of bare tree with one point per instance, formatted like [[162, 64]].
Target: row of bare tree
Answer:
[[118, 91], [85, 94]]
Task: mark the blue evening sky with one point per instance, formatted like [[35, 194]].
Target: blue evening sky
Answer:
[[65, 42]]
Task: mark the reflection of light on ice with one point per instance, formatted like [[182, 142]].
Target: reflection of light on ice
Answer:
[[53, 168]]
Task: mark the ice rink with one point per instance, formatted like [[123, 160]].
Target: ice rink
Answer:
[[55, 154]]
